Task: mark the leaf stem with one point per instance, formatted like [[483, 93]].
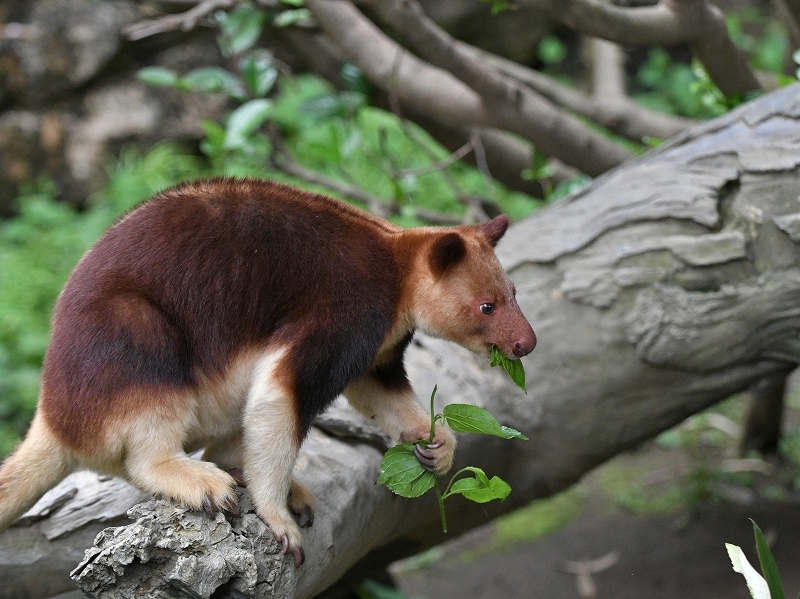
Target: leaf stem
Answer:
[[446, 493], [433, 416], [440, 499]]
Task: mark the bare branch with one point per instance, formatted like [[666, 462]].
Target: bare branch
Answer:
[[789, 13], [502, 103], [508, 155], [725, 62], [441, 164], [184, 21], [625, 117], [670, 22], [637, 26], [514, 107], [608, 71]]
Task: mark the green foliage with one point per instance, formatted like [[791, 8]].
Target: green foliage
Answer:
[[404, 475], [466, 418], [768, 565], [677, 88], [334, 133], [551, 50], [478, 488], [239, 29], [769, 585], [40, 246], [765, 41], [369, 589], [498, 6], [514, 368]]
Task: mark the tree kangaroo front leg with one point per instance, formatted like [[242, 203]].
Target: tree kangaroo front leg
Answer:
[[271, 443], [399, 413]]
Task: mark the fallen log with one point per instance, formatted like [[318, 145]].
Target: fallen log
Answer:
[[663, 287]]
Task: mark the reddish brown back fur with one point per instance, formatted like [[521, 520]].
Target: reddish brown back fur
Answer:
[[227, 314], [188, 279]]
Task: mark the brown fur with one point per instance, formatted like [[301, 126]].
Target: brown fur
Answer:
[[227, 314]]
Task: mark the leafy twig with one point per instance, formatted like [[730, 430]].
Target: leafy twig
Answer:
[[403, 474]]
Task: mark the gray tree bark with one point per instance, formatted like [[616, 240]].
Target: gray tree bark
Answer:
[[663, 287]]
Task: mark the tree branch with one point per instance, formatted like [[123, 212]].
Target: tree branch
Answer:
[[435, 92], [670, 22], [625, 117], [660, 289], [788, 11], [184, 21], [513, 107], [507, 155]]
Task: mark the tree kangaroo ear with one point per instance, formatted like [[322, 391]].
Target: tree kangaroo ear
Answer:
[[495, 229], [446, 251]]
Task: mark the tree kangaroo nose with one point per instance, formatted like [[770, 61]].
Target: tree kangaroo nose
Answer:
[[525, 346]]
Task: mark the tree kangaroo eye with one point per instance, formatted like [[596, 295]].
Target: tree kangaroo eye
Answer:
[[487, 308]]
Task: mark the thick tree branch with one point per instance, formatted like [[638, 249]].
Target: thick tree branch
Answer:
[[788, 11], [670, 22], [435, 92], [513, 107], [507, 155], [623, 116], [661, 288]]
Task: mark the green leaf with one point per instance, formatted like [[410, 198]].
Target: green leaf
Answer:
[[244, 121], [768, 566], [511, 433], [290, 17], [755, 582], [241, 29], [158, 76], [480, 488], [296, 3], [514, 368], [498, 6], [259, 74], [551, 50], [465, 418], [403, 474], [355, 80], [214, 79]]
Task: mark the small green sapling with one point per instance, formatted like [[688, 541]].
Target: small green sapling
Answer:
[[403, 474]]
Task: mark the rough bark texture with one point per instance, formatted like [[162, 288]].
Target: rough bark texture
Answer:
[[662, 288], [170, 550]]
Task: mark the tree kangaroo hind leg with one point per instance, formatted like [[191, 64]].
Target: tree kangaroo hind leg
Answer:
[[271, 442], [156, 462]]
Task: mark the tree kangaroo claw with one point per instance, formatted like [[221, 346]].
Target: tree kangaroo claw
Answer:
[[428, 461], [231, 506], [208, 507], [299, 556]]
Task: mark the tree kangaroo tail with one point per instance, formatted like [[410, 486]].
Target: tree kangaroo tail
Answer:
[[37, 465]]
